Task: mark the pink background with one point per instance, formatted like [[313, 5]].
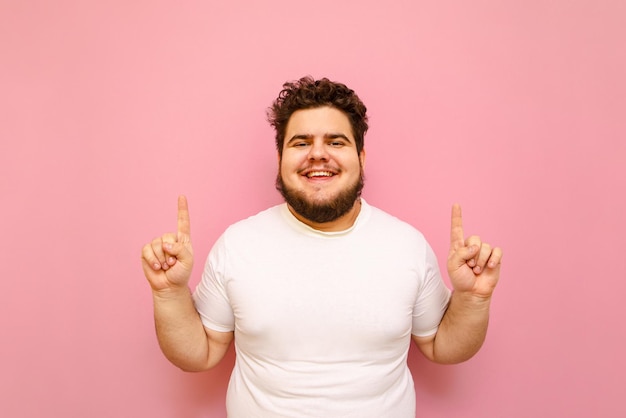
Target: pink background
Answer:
[[109, 110]]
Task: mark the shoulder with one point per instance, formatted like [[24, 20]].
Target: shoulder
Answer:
[[396, 235], [384, 222], [251, 234], [264, 223]]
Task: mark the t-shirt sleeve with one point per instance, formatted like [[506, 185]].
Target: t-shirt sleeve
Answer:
[[210, 297], [432, 300]]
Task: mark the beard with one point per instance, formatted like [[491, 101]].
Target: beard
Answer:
[[321, 212]]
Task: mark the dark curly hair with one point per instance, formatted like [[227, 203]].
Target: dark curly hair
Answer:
[[307, 93]]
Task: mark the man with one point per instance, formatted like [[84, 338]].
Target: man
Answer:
[[323, 294]]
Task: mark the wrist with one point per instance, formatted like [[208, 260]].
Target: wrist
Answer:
[[472, 299], [171, 293]]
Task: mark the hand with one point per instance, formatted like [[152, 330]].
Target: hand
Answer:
[[473, 266], [167, 261]]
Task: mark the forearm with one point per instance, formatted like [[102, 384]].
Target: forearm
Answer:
[[179, 330], [462, 330]]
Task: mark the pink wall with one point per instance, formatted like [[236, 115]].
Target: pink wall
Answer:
[[109, 110]]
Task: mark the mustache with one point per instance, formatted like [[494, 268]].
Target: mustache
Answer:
[[325, 167]]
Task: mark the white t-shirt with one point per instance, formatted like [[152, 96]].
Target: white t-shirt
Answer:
[[322, 321]]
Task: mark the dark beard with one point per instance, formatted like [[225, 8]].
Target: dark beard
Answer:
[[320, 212]]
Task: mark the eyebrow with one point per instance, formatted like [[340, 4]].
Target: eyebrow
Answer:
[[330, 135]]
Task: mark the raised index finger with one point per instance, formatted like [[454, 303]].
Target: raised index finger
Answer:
[[184, 228], [457, 239]]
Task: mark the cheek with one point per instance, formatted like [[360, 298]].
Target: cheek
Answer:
[[291, 161], [355, 164], [286, 167]]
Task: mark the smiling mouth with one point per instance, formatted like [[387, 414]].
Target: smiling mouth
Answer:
[[319, 174]]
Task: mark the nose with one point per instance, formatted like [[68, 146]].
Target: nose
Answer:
[[318, 151]]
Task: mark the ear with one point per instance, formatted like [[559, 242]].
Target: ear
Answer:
[[362, 158]]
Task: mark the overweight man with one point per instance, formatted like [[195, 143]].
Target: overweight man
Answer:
[[322, 294]]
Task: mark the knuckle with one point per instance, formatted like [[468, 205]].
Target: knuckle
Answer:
[[473, 240], [484, 255], [169, 237]]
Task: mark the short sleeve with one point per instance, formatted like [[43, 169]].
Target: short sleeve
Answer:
[[210, 297], [432, 300]]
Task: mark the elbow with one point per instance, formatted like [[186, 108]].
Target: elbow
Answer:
[[192, 368], [190, 365], [443, 351], [450, 360], [453, 356]]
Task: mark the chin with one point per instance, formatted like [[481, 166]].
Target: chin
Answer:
[[320, 209]]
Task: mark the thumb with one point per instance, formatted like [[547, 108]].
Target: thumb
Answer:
[[461, 255], [180, 251]]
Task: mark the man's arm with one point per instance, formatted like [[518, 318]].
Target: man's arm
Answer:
[[167, 264], [461, 332], [474, 270], [183, 339]]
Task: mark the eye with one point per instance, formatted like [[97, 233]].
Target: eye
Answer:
[[300, 144], [337, 144]]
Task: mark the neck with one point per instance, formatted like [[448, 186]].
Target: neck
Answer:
[[340, 224]]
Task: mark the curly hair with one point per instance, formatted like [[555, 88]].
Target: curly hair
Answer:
[[307, 93]]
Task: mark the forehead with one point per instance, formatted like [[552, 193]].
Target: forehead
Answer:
[[319, 121]]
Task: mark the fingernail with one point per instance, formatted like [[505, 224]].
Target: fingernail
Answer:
[[168, 246], [477, 269], [171, 260], [165, 266], [156, 266]]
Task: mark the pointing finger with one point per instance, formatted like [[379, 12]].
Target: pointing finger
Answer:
[[457, 239], [184, 228]]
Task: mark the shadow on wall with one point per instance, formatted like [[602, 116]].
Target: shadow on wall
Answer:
[[434, 379], [202, 394]]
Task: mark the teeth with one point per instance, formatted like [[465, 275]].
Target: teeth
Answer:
[[319, 174]]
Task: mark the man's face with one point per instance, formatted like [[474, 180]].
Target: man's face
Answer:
[[320, 173]]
